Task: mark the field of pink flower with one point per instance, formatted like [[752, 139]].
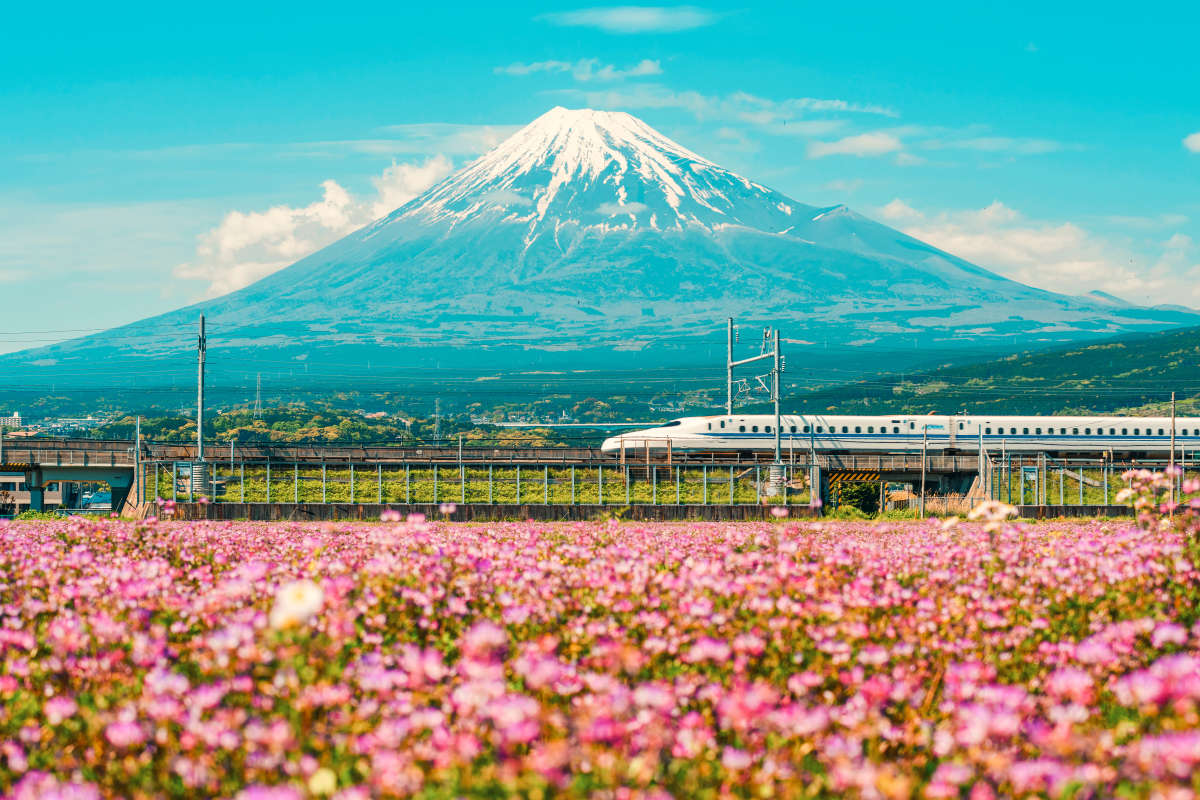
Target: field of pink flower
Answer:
[[597, 660]]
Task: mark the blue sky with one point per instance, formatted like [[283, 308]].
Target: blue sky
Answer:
[[154, 155]]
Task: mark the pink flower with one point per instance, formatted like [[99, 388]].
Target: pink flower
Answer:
[[124, 734], [484, 639], [59, 708], [389, 515], [735, 760], [779, 512]]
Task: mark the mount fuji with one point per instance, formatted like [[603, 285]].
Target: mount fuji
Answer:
[[588, 234]]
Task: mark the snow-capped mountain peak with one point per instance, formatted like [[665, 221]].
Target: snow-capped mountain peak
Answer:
[[597, 168]]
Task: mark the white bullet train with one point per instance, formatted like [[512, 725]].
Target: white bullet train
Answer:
[[900, 433]]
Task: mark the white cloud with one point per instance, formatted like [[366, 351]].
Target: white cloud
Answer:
[[1192, 142], [585, 69], [876, 143], [400, 183], [898, 210], [997, 144], [634, 19], [1060, 256], [247, 246]]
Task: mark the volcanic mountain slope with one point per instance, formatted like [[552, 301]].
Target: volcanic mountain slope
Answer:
[[589, 227]]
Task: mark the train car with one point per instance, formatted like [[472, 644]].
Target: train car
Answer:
[[901, 433]]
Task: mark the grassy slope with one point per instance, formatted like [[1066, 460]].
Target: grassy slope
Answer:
[[1134, 373]]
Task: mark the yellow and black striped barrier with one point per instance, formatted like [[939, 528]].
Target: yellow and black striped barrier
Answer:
[[853, 476]]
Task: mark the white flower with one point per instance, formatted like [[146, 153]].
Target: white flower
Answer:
[[992, 511], [1125, 495], [322, 782], [296, 603]]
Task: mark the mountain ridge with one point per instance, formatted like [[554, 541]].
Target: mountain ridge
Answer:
[[588, 234]]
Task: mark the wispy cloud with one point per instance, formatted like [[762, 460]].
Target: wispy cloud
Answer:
[[997, 144], [876, 143], [796, 115], [634, 19], [1192, 142], [585, 69]]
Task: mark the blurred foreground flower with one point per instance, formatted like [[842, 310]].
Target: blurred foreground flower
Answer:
[[295, 604]]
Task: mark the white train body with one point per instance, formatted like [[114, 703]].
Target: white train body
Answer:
[[901, 433]]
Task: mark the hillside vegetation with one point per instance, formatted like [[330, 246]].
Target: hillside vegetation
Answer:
[[1133, 374]]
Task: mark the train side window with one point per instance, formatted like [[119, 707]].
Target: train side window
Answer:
[[1137, 431], [1087, 431], [870, 429], [820, 429], [845, 429], [896, 429], [858, 428], [754, 428], [912, 425], [806, 429], [1160, 432], [1112, 431], [988, 431], [793, 429], [1038, 431], [1124, 431], [710, 426], [742, 428], [960, 426], [1026, 430], [1074, 431], [722, 423]]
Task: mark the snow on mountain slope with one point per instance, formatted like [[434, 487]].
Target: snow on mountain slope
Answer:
[[589, 226]]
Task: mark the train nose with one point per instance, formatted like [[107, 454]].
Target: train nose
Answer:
[[611, 445]]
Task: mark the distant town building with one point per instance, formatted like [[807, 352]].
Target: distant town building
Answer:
[[11, 422]]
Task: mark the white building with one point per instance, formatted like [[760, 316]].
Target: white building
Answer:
[[11, 422]]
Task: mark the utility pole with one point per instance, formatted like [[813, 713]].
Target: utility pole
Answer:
[[729, 369], [1171, 458], [437, 422], [258, 398], [924, 447], [137, 460], [775, 391], [201, 349]]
